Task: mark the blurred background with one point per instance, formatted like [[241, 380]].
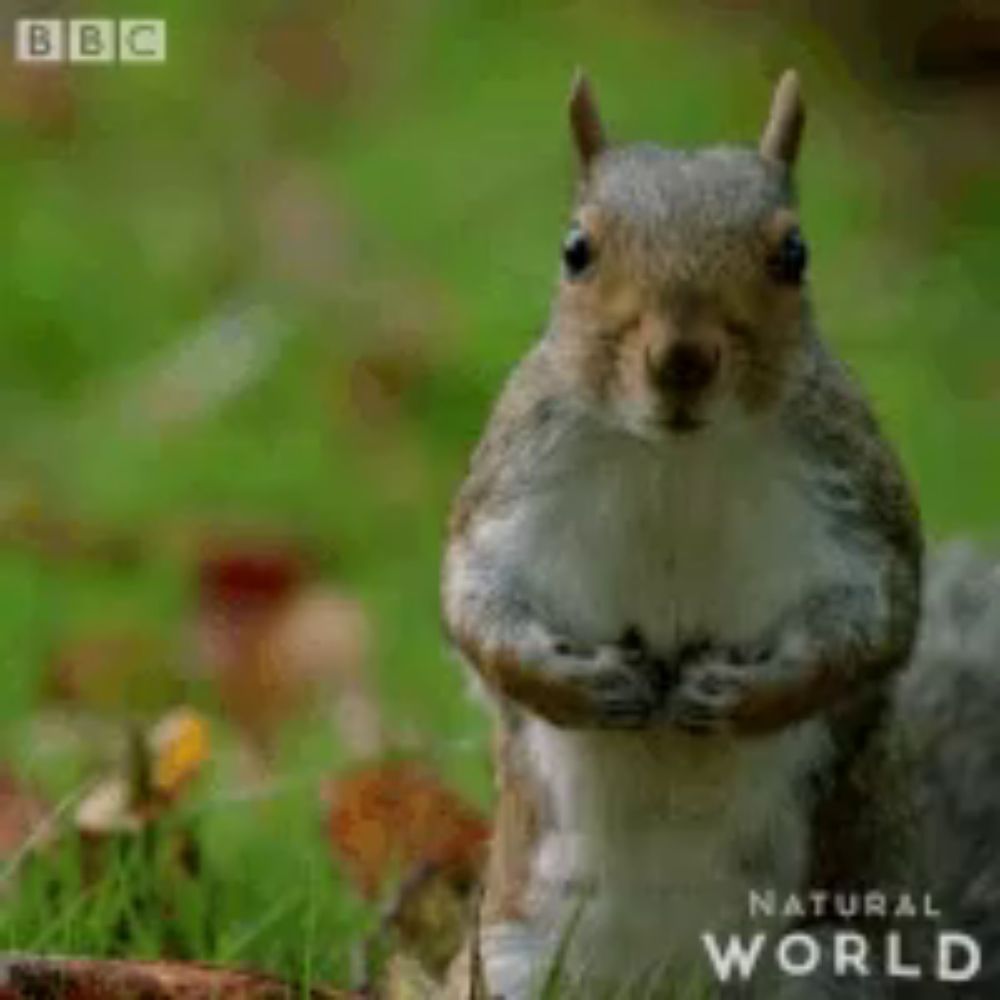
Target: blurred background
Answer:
[[254, 304]]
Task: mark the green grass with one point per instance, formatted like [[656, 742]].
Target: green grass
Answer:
[[445, 171], [277, 909]]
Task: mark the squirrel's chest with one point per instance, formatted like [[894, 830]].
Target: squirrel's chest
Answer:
[[712, 545]]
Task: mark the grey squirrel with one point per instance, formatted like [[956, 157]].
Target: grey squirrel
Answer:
[[686, 565]]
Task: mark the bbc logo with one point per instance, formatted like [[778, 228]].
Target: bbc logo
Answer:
[[90, 41]]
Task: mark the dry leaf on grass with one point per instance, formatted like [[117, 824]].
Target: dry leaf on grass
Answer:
[[397, 816], [29, 977], [161, 764], [179, 745], [121, 816], [129, 819], [396, 820], [111, 670], [280, 645], [24, 818]]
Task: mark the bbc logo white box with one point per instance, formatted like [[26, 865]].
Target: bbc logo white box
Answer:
[[142, 41], [42, 41], [92, 40]]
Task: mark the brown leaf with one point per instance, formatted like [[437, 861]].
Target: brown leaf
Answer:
[[106, 669], [279, 647], [243, 587], [396, 816], [27, 977], [160, 765], [22, 812]]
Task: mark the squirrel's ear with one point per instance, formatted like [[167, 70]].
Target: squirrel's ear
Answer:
[[783, 131], [585, 120]]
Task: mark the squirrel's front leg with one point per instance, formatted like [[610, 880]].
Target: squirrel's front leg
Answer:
[[612, 685], [830, 645]]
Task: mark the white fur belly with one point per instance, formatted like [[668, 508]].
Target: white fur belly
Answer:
[[657, 834], [719, 541], [655, 839]]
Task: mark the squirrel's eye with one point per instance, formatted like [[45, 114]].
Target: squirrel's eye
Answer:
[[577, 252], [788, 263]]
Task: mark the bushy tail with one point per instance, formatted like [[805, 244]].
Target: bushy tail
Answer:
[[949, 708]]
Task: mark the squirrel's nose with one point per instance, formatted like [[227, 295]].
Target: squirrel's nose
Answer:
[[686, 368]]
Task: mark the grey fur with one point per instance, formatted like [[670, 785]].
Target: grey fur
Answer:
[[693, 210], [948, 709], [690, 232]]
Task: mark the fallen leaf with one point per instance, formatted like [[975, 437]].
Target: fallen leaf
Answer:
[[111, 670], [23, 814], [242, 580], [30, 977], [159, 765], [180, 745], [243, 585], [123, 820], [279, 645], [396, 817], [108, 809]]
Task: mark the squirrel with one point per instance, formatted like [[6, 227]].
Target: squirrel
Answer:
[[685, 565]]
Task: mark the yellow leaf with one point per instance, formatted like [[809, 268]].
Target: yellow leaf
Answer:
[[180, 745]]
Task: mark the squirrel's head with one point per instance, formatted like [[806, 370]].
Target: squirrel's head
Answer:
[[681, 297]]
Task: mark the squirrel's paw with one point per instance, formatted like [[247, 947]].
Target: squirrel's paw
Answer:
[[619, 683], [707, 696]]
